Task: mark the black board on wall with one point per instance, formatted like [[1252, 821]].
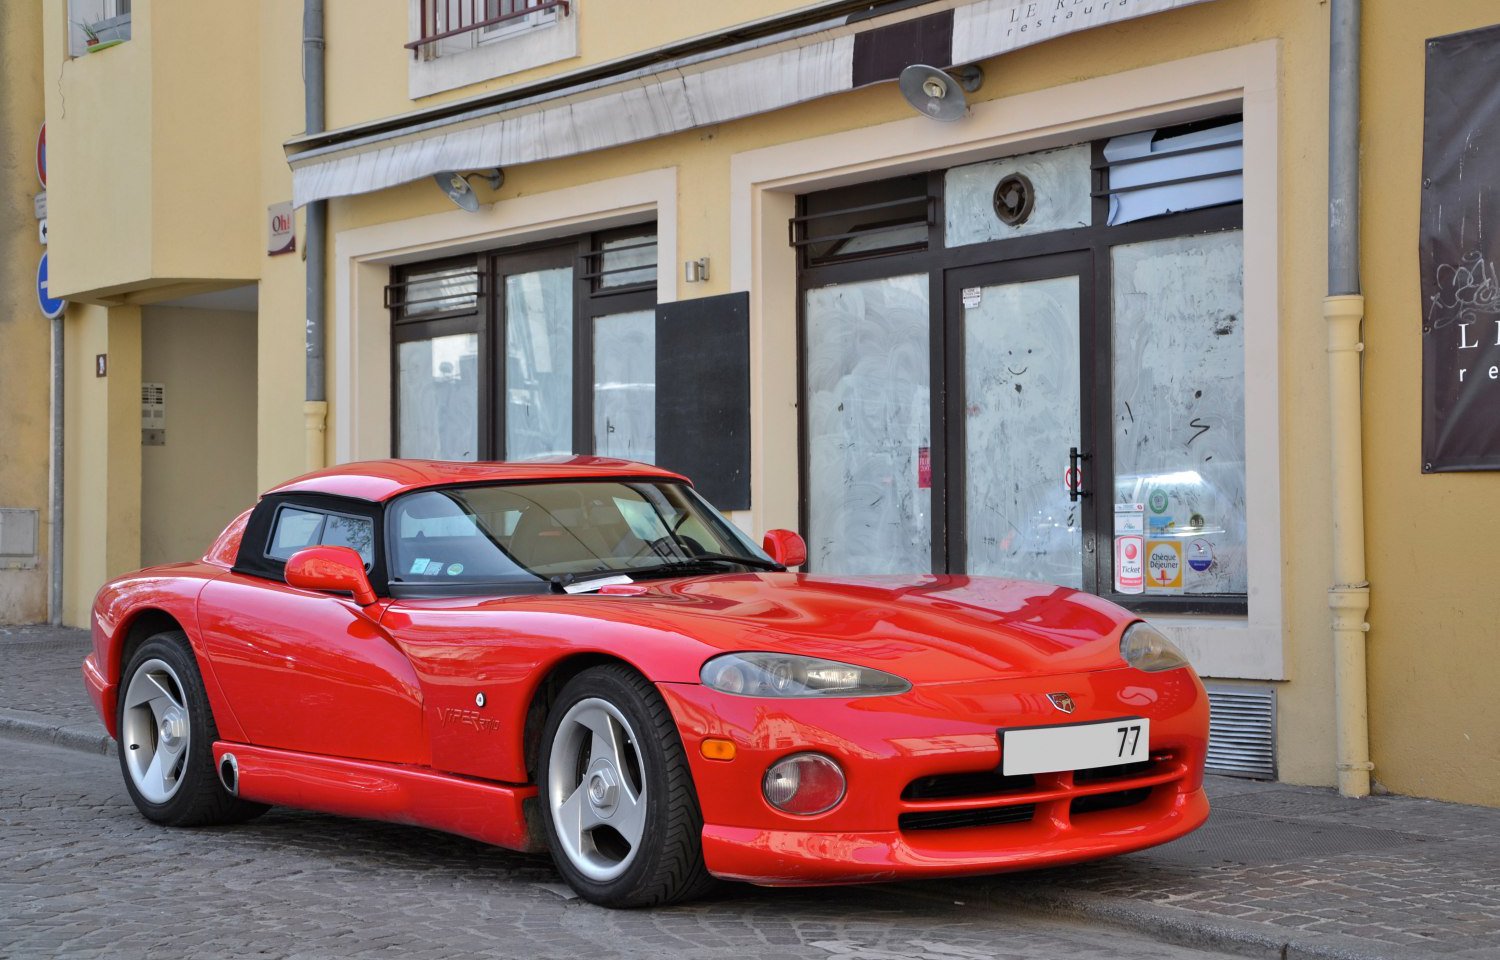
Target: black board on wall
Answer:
[[703, 395], [1460, 288]]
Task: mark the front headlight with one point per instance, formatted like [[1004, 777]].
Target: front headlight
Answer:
[[1145, 648], [785, 675]]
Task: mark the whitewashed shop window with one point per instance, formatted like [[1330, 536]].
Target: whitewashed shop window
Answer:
[[1179, 407], [869, 429], [437, 397], [1050, 192], [625, 385], [541, 34]]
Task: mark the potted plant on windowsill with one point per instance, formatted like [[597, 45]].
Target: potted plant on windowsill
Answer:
[[105, 33]]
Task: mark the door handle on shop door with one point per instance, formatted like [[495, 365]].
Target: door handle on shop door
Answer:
[[1074, 478]]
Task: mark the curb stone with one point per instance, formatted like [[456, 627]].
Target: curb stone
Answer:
[[88, 737]]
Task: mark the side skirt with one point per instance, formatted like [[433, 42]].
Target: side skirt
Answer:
[[489, 812]]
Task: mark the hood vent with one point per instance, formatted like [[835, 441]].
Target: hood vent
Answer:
[[1242, 732]]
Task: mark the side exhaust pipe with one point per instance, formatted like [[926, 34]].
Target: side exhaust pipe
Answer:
[[229, 774]]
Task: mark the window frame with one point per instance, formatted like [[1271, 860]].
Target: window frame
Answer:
[[591, 300], [254, 559], [937, 261]]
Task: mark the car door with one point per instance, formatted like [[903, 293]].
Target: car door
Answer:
[[305, 670]]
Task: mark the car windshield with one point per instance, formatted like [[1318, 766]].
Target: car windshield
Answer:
[[565, 532]]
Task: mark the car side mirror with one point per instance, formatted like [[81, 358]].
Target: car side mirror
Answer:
[[331, 569], [786, 547]]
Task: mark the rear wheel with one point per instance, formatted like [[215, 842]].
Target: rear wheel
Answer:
[[618, 801], [167, 736]]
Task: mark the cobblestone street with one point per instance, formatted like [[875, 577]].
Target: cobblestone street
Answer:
[[85, 876], [1279, 871]]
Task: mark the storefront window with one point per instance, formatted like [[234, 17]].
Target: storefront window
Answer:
[[519, 353], [539, 363], [625, 385], [1076, 361], [1179, 407], [437, 387], [870, 505]]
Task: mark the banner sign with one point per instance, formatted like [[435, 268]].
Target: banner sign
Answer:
[[1459, 250]]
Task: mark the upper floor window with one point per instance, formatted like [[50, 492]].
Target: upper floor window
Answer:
[[459, 42], [97, 25]]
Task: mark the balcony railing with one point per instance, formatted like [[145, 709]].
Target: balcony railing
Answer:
[[442, 19]]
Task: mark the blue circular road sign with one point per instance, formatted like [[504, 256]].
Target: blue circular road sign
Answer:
[[51, 308]]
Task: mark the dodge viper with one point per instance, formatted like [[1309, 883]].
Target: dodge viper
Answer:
[[582, 656]]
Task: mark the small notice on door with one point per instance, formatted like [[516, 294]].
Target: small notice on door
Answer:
[[924, 468], [972, 297], [1164, 566], [1130, 548]]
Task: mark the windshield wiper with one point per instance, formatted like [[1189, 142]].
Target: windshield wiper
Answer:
[[752, 562], [709, 561]]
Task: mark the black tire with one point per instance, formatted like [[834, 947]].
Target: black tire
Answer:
[[198, 798], [667, 864]]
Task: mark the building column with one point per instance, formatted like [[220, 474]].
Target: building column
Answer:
[[102, 499]]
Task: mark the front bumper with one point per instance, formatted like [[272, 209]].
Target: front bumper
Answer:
[[101, 692], [924, 795]]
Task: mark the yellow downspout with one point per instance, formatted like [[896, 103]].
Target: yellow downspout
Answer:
[[1349, 597]]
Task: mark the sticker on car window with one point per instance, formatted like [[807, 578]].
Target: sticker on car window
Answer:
[[418, 565], [454, 569]]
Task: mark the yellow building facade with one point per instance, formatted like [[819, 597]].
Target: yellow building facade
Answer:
[[25, 333], [1124, 226]]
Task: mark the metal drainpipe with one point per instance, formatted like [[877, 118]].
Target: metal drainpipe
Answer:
[[55, 495], [315, 406], [1344, 309]]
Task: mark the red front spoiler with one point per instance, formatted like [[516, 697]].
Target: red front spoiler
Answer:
[[796, 858]]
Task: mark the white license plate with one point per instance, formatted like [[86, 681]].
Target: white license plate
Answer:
[[1077, 746]]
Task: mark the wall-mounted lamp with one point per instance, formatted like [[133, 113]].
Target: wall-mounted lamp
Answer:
[[695, 271], [458, 189], [939, 94]]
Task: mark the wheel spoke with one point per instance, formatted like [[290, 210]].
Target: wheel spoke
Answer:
[[607, 743], [629, 818], [154, 781], [575, 818]]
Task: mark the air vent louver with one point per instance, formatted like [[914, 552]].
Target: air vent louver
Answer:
[[1242, 732]]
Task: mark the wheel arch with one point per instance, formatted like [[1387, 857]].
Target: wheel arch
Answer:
[[144, 621], [546, 692]]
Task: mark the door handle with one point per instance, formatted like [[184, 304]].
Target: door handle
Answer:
[[1075, 474]]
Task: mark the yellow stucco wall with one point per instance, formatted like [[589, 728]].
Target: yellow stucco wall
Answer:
[[204, 475], [1434, 655], [102, 534], [156, 142], [25, 335]]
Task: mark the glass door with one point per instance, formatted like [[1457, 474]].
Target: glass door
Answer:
[[1017, 472]]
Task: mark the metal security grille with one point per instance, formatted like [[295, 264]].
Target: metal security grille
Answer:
[[1242, 732]]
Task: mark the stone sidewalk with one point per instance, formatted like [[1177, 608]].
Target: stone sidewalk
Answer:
[[1279, 871]]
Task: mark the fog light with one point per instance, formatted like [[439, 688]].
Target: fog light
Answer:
[[804, 784]]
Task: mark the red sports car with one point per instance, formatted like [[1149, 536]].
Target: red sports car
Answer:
[[583, 655]]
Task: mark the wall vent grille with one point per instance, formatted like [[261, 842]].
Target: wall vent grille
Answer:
[[1242, 732]]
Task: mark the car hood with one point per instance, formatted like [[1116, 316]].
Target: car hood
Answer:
[[928, 629]]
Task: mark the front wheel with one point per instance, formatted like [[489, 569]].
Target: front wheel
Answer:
[[167, 735], [618, 801]]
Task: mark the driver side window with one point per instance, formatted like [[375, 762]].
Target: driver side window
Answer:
[[297, 528]]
